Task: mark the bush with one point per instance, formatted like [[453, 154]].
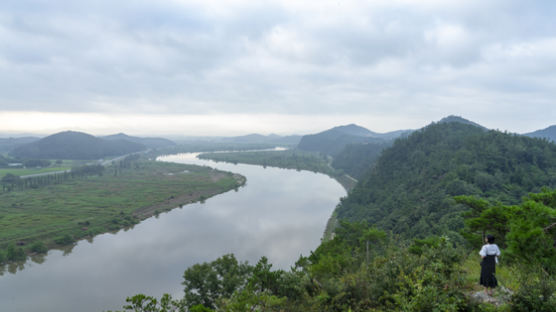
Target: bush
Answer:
[[64, 240], [14, 253], [39, 248], [536, 293]]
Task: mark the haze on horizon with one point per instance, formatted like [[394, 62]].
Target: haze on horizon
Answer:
[[206, 67]]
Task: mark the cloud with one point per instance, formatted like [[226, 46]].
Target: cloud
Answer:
[[381, 58]]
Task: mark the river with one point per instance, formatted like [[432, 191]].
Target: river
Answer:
[[279, 213]]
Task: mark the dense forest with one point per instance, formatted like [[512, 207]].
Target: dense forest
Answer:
[[411, 188], [357, 159]]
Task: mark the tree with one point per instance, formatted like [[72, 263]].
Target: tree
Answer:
[[209, 283]]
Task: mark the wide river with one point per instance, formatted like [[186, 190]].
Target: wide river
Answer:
[[279, 213]]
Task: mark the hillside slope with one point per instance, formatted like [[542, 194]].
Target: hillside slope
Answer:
[[75, 145], [410, 189], [548, 133], [333, 141], [148, 142]]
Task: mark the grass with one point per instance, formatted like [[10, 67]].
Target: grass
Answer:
[[27, 171], [89, 206]]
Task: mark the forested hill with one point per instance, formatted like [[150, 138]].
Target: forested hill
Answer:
[[75, 145], [410, 189], [548, 133], [332, 141], [148, 142]]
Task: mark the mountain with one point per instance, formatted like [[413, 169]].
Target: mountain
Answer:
[[75, 145], [148, 142], [332, 141], [290, 140], [8, 144], [548, 133], [458, 119], [410, 189]]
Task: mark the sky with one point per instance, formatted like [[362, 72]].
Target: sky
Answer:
[[208, 67]]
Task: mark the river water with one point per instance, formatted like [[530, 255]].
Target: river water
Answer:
[[279, 213]]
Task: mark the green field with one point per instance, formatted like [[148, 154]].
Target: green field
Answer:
[[27, 171], [58, 214]]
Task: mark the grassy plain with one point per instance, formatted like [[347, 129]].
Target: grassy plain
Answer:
[[54, 215], [27, 171]]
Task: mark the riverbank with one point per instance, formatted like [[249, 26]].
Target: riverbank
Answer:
[[36, 220]]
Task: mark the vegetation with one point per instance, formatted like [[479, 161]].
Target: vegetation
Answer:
[[410, 190], [59, 214], [366, 269], [357, 159]]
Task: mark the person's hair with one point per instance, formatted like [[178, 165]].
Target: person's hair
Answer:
[[490, 239]]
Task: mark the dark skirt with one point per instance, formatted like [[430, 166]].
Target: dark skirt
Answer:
[[488, 268]]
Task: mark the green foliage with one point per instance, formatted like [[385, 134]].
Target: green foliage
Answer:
[[410, 189], [14, 253], [528, 230], [537, 292], [64, 240], [143, 303], [357, 159], [208, 284], [39, 247]]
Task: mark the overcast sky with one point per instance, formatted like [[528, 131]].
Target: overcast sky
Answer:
[[211, 67]]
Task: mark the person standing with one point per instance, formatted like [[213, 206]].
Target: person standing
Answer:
[[489, 253]]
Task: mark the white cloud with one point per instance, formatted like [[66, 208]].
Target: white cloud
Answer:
[[341, 57]]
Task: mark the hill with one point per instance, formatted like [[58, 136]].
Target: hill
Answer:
[[458, 119], [148, 142], [333, 141], [75, 145], [8, 144], [411, 187], [548, 133], [356, 159]]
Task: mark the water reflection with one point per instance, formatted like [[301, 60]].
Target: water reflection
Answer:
[[279, 213]]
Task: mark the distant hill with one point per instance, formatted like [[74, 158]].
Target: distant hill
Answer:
[[333, 141], [75, 145], [290, 140], [9, 144], [410, 189], [548, 133], [148, 142], [458, 119]]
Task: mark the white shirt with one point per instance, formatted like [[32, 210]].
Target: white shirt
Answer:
[[490, 250]]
